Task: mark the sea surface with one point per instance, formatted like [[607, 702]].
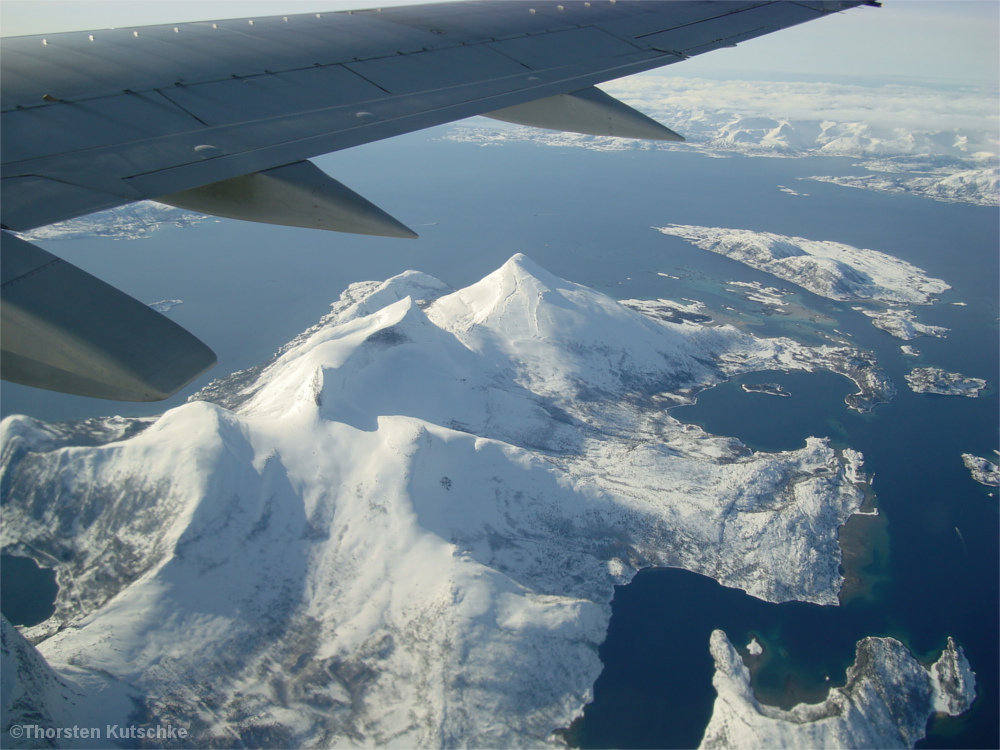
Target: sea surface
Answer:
[[584, 215]]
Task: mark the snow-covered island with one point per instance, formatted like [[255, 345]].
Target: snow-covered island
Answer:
[[407, 527], [982, 469], [165, 305], [829, 269], [977, 186], [753, 291], [902, 324], [130, 222], [936, 380], [769, 389], [868, 711]]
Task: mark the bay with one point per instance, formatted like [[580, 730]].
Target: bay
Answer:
[[29, 591]]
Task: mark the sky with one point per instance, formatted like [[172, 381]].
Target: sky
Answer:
[[943, 40]]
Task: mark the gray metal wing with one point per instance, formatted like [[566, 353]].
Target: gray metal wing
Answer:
[[184, 112]]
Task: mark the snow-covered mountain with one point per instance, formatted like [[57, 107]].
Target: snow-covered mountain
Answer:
[[405, 529], [943, 143], [886, 702]]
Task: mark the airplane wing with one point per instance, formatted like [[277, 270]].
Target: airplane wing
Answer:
[[222, 117]]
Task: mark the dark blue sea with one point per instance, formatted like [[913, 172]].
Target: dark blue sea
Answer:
[[932, 567]]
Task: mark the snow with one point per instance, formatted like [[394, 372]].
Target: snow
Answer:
[[976, 186], [754, 291], [131, 222], [947, 152], [165, 305], [869, 711], [830, 269], [935, 380], [406, 528], [34, 694], [902, 324], [982, 469]]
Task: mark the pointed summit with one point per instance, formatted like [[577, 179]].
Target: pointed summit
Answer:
[[411, 485], [571, 340]]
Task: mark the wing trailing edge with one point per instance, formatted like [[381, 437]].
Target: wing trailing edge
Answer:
[[296, 195], [219, 118], [65, 330], [589, 111]]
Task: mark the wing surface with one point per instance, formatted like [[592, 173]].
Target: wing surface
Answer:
[[96, 119], [222, 117]]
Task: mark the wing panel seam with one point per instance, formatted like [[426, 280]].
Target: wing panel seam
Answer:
[[32, 272], [705, 20]]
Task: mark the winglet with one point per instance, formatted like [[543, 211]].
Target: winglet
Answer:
[[589, 111], [296, 195]]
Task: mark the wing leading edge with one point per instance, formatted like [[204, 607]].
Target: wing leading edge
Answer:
[[222, 116]]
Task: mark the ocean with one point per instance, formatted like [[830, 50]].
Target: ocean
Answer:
[[587, 216]]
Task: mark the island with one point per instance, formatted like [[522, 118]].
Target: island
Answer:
[[130, 222], [866, 712], [770, 389], [829, 269], [771, 299], [902, 324], [983, 470], [318, 551], [165, 305], [935, 380]]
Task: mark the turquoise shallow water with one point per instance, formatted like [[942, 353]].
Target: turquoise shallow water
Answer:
[[586, 216]]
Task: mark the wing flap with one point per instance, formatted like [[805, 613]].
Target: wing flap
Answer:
[[65, 330]]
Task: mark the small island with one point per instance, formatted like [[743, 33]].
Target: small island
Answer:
[[983, 471], [770, 389], [936, 380], [902, 324]]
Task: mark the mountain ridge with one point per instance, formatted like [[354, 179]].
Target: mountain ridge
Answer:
[[405, 530]]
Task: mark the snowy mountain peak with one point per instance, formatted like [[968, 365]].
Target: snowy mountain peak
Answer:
[[407, 527], [508, 300]]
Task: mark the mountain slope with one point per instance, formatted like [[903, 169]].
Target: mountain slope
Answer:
[[405, 529]]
